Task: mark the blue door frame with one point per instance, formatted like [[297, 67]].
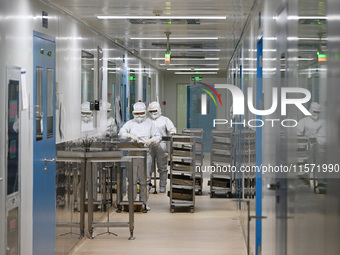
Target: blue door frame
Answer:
[[259, 101], [44, 185], [194, 117]]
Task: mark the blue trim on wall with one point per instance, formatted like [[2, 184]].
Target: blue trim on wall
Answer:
[[259, 98]]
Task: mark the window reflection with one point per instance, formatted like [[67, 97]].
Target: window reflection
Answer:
[[312, 59], [87, 90]]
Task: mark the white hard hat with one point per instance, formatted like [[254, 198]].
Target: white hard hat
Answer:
[[315, 107], [155, 106], [139, 107]]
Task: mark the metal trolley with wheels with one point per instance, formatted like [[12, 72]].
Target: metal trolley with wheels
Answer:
[[182, 172], [198, 134], [221, 161]]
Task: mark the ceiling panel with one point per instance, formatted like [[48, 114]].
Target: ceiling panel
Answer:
[[228, 30]]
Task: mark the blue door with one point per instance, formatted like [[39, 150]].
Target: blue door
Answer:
[[259, 104], [44, 197], [201, 109]]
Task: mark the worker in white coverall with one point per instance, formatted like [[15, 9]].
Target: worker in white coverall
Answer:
[[315, 129], [160, 151], [310, 126], [141, 130]]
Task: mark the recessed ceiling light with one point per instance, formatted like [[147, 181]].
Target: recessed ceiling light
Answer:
[[175, 59], [160, 17], [174, 38], [195, 72], [185, 64], [191, 69], [190, 50]]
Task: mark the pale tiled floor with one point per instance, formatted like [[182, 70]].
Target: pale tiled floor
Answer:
[[214, 228]]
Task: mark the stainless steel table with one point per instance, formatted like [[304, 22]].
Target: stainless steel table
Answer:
[[88, 158]]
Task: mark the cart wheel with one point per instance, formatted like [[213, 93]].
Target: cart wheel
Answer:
[[192, 209], [212, 194], [172, 209], [200, 192]]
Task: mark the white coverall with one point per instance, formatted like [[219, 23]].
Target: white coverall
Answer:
[[313, 127], [160, 151], [310, 126], [144, 131]]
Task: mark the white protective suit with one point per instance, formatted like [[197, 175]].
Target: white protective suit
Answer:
[[140, 129], [310, 126], [313, 127], [160, 151], [86, 117]]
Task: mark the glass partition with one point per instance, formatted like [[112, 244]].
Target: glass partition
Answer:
[[111, 87], [312, 60], [87, 90]]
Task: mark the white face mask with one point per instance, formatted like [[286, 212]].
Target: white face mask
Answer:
[[139, 118], [154, 115], [315, 116], [86, 118]]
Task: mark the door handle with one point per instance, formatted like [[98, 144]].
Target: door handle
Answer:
[[48, 160], [273, 186]]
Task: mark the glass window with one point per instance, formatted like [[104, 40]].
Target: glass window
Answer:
[[50, 102], [39, 104]]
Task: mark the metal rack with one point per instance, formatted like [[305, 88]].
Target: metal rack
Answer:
[[221, 162], [182, 171], [198, 134], [248, 159]]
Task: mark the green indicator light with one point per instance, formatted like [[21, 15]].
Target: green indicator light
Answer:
[[322, 55], [246, 78], [169, 22], [196, 78]]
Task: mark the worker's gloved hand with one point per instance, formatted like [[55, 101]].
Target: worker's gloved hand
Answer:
[[149, 142], [132, 137], [172, 133]]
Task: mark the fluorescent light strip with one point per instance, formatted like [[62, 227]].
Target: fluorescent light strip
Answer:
[[191, 69], [185, 64], [196, 59], [173, 50], [195, 72], [306, 17], [161, 17], [292, 38], [174, 38]]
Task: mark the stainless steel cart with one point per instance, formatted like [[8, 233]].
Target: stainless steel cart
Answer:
[[221, 162], [198, 134], [182, 171]]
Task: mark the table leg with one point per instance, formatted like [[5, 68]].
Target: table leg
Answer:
[[89, 198], [131, 201]]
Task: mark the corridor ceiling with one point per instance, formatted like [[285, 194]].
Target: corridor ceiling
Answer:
[[214, 50]]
